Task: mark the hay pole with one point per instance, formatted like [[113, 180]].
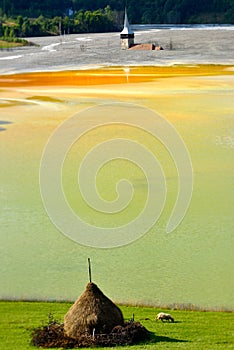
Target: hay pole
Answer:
[[90, 275]]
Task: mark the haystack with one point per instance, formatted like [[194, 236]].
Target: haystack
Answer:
[[92, 313]]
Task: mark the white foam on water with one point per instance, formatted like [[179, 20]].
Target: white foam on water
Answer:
[[84, 39], [148, 28], [213, 27], [50, 47], [11, 57]]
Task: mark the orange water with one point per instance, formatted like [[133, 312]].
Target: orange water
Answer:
[[192, 265]]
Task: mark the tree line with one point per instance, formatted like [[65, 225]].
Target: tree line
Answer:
[[168, 11], [22, 18], [79, 22]]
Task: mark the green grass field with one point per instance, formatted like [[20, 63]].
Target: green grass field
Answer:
[[8, 45], [191, 330]]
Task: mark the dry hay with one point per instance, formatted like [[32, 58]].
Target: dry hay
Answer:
[[53, 335], [93, 320], [92, 313]]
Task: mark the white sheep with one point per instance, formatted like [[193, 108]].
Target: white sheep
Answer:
[[164, 317]]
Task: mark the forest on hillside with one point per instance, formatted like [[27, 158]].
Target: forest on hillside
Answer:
[[20, 18], [140, 11]]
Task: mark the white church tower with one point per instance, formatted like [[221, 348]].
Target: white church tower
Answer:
[[127, 35]]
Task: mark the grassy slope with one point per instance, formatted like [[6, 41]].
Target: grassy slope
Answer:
[[11, 43], [192, 330], [7, 45]]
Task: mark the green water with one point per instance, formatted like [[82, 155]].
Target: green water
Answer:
[[191, 266]]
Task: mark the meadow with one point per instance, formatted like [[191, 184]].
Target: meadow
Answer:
[[191, 330]]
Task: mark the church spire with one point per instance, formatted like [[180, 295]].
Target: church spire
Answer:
[[127, 29], [127, 35]]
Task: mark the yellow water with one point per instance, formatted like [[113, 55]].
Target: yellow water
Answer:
[[191, 265]]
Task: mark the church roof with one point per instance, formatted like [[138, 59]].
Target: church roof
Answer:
[[127, 29]]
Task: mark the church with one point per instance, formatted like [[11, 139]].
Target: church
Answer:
[[127, 39]]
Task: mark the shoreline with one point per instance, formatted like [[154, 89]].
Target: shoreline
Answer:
[[175, 306]]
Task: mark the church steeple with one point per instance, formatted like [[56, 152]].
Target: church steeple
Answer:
[[127, 35]]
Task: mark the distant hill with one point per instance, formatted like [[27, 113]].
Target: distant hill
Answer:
[[140, 11]]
